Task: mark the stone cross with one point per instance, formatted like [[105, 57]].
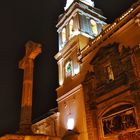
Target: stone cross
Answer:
[[27, 64]]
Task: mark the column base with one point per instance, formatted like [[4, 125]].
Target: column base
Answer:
[[25, 129], [28, 137]]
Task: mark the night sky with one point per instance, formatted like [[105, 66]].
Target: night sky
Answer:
[[23, 20]]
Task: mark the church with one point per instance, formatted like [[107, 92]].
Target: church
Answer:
[[99, 76]]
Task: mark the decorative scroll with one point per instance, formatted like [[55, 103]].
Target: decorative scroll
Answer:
[[121, 121]]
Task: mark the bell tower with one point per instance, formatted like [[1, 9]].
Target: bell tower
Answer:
[[80, 18], [79, 23]]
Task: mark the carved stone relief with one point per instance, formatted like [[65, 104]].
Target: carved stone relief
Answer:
[[119, 122]]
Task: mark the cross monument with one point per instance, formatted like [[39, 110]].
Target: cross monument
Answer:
[[27, 64]]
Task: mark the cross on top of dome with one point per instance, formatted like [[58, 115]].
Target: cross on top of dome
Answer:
[[88, 2]]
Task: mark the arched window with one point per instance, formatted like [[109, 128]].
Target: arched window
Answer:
[[93, 27], [68, 68], [71, 27], [64, 35]]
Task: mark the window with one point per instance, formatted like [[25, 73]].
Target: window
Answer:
[[76, 69], [93, 27], [68, 68], [64, 35], [71, 27], [109, 72]]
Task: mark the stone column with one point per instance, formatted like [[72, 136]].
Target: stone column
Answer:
[[27, 64], [137, 101], [94, 120], [135, 83], [90, 106]]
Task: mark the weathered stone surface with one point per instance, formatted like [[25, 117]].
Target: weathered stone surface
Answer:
[[27, 64], [28, 137]]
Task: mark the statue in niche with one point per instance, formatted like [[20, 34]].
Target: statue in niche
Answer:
[[117, 122], [107, 127]]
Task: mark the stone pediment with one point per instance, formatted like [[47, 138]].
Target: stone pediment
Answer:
[[104, 52]]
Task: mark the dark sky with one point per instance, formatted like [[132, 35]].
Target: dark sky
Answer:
[[23, 20]]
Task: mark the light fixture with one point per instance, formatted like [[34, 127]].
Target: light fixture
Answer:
[[76, 69], [70, 124], [60, 82]]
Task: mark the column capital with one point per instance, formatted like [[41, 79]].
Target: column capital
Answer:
[[32, 51]]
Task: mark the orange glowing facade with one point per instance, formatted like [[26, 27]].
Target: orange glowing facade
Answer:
[[99, 76], [99, 72]]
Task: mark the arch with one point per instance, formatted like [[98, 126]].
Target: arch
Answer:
[[114, 105], [71, 27], [63, 35], [93, 27], [68, 68]]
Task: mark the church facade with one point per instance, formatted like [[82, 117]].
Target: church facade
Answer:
[[99, 75]]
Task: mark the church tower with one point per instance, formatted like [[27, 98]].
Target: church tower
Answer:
[[80, 18], [98, 95], [79, 23]]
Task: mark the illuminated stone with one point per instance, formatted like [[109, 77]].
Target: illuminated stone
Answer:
[[32, 51], [28, 137], [25, 131], [88, 2], [70, 124]]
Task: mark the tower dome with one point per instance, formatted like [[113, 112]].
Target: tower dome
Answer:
[[88, 2]]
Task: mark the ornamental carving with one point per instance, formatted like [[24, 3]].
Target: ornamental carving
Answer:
[[134, 135], [119, 122]]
